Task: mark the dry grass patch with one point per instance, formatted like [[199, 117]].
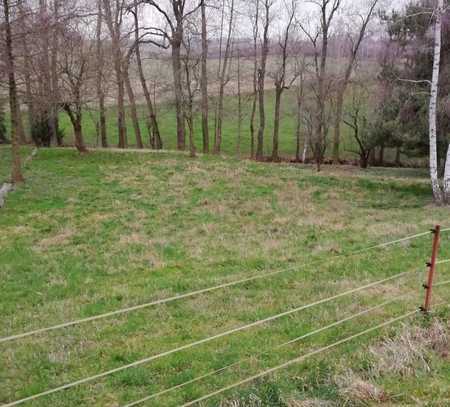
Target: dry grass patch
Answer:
[[408, 353], [310, 403], [354, 388], [60, 239]]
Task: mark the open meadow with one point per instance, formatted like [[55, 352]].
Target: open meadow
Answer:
[[89, 234]]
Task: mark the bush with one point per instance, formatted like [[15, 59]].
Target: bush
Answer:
[[3, 134]]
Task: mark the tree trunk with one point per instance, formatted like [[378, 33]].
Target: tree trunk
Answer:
[[178, 89], [76, 120], [114, 29], [276, 124], [298, 129], [100, 78], [239, 130], [398, 161], [261, 85], [447, 177], [305, 150], [381, 156], [204, 81], [16, 170], [155, 135], [337, 123], [192, 149], [133, 109], [31, 113], [364, 160], [437, 192], [121, 117], [222, 83], [54, 85], [20, 129], [45, 78], [78, 132], [372, 159], [255, 82]]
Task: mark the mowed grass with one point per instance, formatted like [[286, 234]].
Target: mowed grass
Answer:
[[94, 233]]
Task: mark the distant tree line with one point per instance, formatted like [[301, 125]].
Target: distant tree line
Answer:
[[80, 56]]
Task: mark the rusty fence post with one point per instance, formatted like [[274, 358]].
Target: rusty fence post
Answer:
[[431, 269]]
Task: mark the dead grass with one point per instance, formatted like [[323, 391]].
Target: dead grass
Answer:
[[310, 403], [354, 388], [60, 239], [410, 352]]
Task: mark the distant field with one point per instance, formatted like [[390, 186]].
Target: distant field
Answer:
[[167, 123], [94, 233], [159, 77]]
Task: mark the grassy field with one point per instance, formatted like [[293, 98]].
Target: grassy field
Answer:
[[167, 123], [94, 233]]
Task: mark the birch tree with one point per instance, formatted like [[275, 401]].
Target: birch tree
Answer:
[[440, 195]]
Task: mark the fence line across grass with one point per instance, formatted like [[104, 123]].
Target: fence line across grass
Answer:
[[206, 340], [239, 362], [207, 290], [245, 327], [300, 358]]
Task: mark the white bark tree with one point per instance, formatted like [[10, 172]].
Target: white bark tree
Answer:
[[440, 195]]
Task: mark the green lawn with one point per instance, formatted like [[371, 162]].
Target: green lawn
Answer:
[[93, 233]]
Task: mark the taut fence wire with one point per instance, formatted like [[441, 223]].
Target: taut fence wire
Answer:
[[127, 310]]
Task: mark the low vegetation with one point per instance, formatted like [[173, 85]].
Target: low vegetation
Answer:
[[93, 233]]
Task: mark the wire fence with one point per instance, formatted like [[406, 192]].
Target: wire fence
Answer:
[[239, 362], [245, 327], [205, 290]]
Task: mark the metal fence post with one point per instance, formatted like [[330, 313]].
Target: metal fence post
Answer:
[[431, 269]]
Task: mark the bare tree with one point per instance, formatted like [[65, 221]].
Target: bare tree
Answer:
[[100, 77], [16, 171], [356, 117], [344, 81], [132, 101], [239, 94], [204, 81], [191, 64], [299, 96], [280, 76], [74, 66], [114, 20], [255, 28], [45, 92], [319, 39], [223, 77], [27, 66], [155, 136], [175, 20], [54, 83], [267, 5]]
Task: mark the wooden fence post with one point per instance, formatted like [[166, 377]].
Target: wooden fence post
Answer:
[[431, 269]]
